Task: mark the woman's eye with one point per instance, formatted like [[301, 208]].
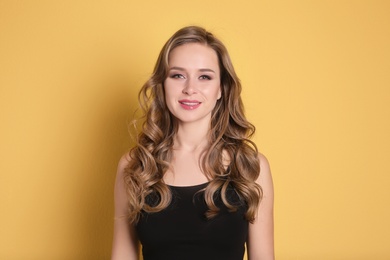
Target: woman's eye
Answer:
[[177, 76], [205, 77]]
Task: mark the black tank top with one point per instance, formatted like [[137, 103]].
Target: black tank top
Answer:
[[182, 232]]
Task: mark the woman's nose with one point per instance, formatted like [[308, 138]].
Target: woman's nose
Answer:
[[189, 87]]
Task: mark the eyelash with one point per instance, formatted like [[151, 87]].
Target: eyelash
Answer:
[[178, 76], [205, 77]]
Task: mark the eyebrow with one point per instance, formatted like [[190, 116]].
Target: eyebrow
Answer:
[[202, 70]]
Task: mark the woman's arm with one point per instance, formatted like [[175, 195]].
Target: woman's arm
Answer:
[[261, 233], [125, 243]]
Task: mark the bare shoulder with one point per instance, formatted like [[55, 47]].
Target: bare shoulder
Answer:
[[265, 177], [123, 162], [264, 164], [260, 243], [120, 195], [263, 161], [125, 241]]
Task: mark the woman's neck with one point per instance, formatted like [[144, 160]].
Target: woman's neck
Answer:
[[191, 137]]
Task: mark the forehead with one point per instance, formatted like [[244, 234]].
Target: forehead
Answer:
[[193, 55]]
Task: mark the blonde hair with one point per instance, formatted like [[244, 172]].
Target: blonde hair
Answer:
[[229, 137]]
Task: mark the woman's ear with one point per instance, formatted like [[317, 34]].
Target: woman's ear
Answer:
[[219, 92]]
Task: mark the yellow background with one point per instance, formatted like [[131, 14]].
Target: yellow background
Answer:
[[316, 78]]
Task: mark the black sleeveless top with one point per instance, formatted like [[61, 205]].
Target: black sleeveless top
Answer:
[[182, 232]]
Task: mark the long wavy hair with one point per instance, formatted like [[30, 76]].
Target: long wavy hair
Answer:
[[229, 139]]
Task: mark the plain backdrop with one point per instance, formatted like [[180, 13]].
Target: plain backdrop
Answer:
[[316, 84]]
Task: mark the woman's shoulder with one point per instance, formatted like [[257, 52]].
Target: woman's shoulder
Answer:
[[124, 161], [263, 160], [122, 165], [265, 177]]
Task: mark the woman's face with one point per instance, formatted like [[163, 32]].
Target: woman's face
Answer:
[[193, 84]]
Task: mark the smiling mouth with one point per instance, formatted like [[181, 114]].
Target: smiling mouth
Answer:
[[189, 104]]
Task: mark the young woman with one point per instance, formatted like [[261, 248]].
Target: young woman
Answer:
[[194, 186]]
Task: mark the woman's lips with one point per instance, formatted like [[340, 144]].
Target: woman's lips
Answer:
[[189, 104]]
